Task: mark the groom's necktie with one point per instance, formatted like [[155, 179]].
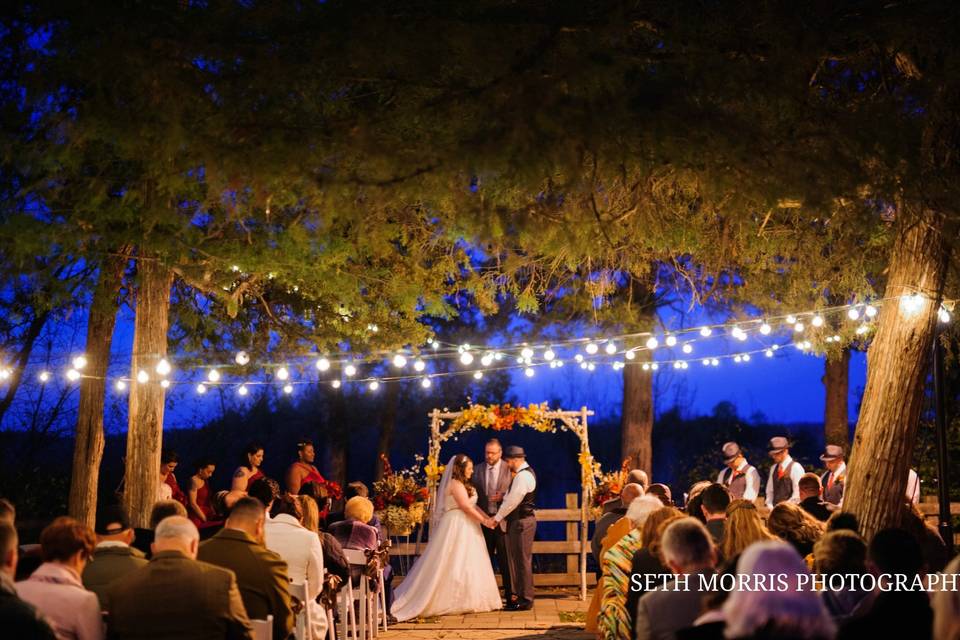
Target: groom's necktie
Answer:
[[491, 488]]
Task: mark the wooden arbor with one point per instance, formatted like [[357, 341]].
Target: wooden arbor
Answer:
[[445, 425]]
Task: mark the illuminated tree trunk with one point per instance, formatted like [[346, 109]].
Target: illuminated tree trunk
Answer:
[[145, 428], [636, 420], [88, 446], [836, 382], [897, 366]]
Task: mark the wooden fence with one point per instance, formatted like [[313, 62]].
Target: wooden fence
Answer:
[[570, 547]]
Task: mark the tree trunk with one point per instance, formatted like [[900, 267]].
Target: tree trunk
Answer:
[[22, 358], [88, 445], [145, 427], [337, 439], [636, 420], [896, 373], [388, 422], [836, 381]]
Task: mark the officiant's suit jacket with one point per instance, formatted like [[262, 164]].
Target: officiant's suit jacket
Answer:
[[480, 483]]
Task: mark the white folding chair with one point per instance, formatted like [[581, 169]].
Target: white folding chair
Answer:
[[262, 629], [367, 599], [348, 620], [301, 626]]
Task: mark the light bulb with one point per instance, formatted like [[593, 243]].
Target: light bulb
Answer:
[[870, 311], [746, 357], [798, 327], [44, 376], [399, 361], [121, 385], [549, 355], [836, 338], [79, 362], [73, 375], [654, 366], [684, 365], [335, 384], [165, 383], [911, 304], [201, 388], [526, 352], [765, 329], [687, 348], [737, 359], [646, 366], [163, 367], [559, 363], [477, 375], [591, 348], [578, 357], [521, 359], [817, 321], [706, 362], [714, 362], [671, 341], [425, 383], [706, 332], [143, 377], [862, 329], [374, 385], [466, 358], [436, 345], [350, 370], [853, 314], [288, 389], [677, 365], [584, 365], [943, 315], [243, 390], [323, 364], [419, 365], [742, 335], [282, 373], [591, 367], [611, 348], [528, 372], [791, 319], [768, 353], [242, 358], [630, 355], [652, 343], [497, 356], [213, 375]]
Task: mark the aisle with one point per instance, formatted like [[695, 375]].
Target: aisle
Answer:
[[557, 614]]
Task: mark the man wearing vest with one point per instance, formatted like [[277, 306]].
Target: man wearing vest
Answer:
[[783, 483], [516, 511], [741, 479], [835, 475]]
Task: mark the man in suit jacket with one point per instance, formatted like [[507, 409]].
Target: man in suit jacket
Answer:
[[175, 596], [113, 556], [811, 497], [689, 553], [261, 573], [491, 479]]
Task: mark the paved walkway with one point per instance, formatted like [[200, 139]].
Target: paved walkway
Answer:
[[557, 614]]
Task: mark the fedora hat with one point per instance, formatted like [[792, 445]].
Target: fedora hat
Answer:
[[730, 451], [778, 443], [832, 452], [513, 451]]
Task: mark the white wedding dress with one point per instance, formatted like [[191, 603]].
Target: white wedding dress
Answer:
[[453, 575]]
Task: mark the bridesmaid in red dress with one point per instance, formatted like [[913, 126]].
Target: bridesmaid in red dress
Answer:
[[246, 473], [302, 471], [199, 503], [168, 462]]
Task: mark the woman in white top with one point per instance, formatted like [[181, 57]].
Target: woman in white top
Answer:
[[55, 588], [301, 549]]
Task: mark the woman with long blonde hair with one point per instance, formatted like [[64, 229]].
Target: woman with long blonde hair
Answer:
[[743, 528], [796, 526]]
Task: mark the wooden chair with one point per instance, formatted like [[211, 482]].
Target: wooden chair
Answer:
[[262, 629]]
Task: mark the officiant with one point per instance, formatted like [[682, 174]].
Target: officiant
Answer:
[[517, 511], [491, 478]]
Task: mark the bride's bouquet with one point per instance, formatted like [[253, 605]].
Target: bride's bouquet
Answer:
[[400, 498], [609, 485]]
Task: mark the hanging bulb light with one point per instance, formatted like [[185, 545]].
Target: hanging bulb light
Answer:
[[288, 389], [706, 332], [559, 363], [549, 355], [425, 383], [374, 385], [591, 348], [706, 362], [817, 321], [768, 353], [652, 343], [350, 370], [121, 385], [654, 366], [497, 356], [611, 348], [578, 357], [79, 362], [73, 375], [746, 357], [526, 352], [466, 358], [630, 355], [687, 348], [529, 372], [714, 362], [213, 375], [737, 359], [163, 367], [143, 377], [791, 319], [853, 314], [335, 384], [870, 311], [677, 365], [477, 375], [646, 366], [201, 388], [765, 329], [242, 358], [243, 390], [399, 361], [798, 327], [684, 365], [591, 367], [584, 365], [323, 364], [911, 304], [419, 365], [165, 383], [282, 373], [44, 376], [671, 341], [943, 315]]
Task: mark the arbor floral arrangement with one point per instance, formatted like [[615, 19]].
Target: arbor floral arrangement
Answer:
[[609, 485], [400, 498], [502, 417]]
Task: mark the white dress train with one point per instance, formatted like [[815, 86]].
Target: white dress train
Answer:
[[453, 575]]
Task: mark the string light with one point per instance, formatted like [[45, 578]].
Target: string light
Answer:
[[943, 315], [559, 363], [578, 357], [201, 388], [646, 366], [791, 319], [242, 358], [528, 372], [817, 321], [611, 348], [73, 375], [477, 375], [715, 362], [121, 385], [549, 355], [798, 327], [466, 358], [419, 365], [399, 361], [911, 304], [521, 360], [374, 385], [44, 376], [163, 367], [323, 364], [282, 373], [687, 348], [243, 390], [746, 357], [591, 367], [737, 358], [870, 311], [527, 352], [654, 366], [768, 353], [143, 377], [165, 383], [288, 389], [630, 355], [652, 343], [213, 376], [706, 332], [671, 341], [350, 370], [335, 384], [584, 365], [765, 329], [425, 383], [591, 348], [79, 362], [853, 314]]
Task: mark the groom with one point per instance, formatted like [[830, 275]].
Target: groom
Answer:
[[492, 480], [517, 512]]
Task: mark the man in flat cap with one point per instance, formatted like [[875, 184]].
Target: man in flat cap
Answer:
[[835, 476], [517, 512], [740, 478], [783, 483]]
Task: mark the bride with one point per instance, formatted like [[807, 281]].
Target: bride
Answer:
[[454, 574]]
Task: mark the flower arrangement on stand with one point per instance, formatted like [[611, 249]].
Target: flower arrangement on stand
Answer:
[[400, 498], [608, 486]]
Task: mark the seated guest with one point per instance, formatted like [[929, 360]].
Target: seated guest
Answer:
[[742, 528], [266, 490], [613, 621], [334, 561], [8, 513], [113, 556], [636, 476], [175, 596], [55, 588], [353, 533], [843, 521], [935, 554], [662, 492], [695, 500], [200, 498], [714, 501], [892, 614], [353, 490], [946, 608], [775, 613], [648, 561], [811, 497], [794, 525], [18, 619], [169, 489], [688, 550], [285, 535], [629, 493], [841, 553], [163, 509], [261, 573]]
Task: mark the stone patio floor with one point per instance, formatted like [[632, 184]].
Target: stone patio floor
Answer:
[[557, 614]]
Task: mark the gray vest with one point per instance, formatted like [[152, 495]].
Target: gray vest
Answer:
[[736, 484], [782, 486], [833, 494]]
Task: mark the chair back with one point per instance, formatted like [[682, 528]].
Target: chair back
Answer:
[[301, 626], [356, 556], [262, 629]]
